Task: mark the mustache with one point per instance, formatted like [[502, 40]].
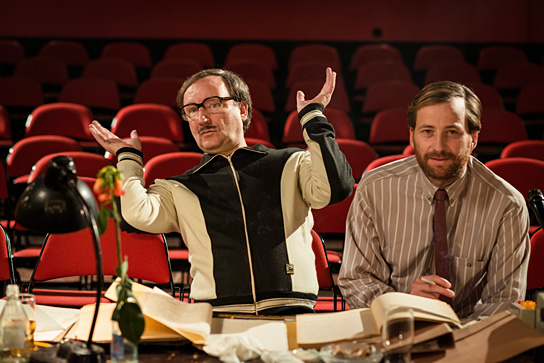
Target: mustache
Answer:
[[204, 128]]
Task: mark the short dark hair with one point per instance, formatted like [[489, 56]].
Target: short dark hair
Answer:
[[238, 89], [445, 91]]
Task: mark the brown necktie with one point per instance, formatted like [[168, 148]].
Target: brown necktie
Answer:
[[441, 253]]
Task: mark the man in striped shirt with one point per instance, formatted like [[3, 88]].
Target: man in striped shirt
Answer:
[[389, 233]]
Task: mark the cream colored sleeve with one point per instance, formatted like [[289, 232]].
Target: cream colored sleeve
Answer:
[[151, 210]]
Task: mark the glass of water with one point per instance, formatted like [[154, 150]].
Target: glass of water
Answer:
[[29, 306], [398, 334]]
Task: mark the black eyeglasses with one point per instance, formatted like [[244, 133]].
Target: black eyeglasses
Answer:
[[213, 104]]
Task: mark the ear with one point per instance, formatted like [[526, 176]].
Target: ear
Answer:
[[412, 137], [243, 110], [474, 141]]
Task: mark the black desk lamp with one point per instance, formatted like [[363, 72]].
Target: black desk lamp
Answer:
[[59, 202]]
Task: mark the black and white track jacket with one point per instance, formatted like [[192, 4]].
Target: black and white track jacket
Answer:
[[246, 218]]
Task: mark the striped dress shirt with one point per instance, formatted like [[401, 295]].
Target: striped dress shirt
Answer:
[[389, 237]]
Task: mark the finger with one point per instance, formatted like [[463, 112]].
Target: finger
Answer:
[[330, 81], [300, 97]]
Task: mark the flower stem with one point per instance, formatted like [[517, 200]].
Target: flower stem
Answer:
[[117, 219]]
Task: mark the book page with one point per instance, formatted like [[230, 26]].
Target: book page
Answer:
[[424, 309], [137, 290], [316, 329], [191, 321], [51, 321]]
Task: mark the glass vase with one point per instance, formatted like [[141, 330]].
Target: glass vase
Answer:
[[122, 350]]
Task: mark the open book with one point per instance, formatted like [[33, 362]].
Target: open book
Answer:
[[318, 329], [167, 318]]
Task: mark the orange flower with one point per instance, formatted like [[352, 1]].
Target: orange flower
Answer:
[[97, 187], [118, 188]]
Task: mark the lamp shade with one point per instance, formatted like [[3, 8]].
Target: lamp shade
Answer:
[[53, 203]]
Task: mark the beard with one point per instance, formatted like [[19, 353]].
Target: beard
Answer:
[[445, 173]]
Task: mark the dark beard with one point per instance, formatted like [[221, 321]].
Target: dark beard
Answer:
[[452, 172]]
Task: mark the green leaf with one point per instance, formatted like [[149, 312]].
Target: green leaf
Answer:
[[122, 270], [131, 321], [102, 222]]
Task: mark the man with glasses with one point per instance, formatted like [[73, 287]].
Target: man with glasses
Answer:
[[244, 212]]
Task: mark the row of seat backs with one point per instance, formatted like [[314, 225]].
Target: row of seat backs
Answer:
[[74, 53]]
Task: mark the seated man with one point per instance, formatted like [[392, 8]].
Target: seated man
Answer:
[[391, 242], [244, 212]]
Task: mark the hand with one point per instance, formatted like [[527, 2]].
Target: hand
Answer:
[[324, 96], [441, 286], [112, 143]]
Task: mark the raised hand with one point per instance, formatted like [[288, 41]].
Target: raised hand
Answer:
[[324, 96], [110, 142]]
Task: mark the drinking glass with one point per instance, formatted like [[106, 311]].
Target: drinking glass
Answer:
[[398, 334], [29, 305]]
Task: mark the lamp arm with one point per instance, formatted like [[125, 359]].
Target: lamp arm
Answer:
[[98, 255]]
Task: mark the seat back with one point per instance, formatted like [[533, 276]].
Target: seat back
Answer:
[[324, 276], [311, 70], [72, 254], [91, 92], [26, 152], [326, 54], [11, 51], [384, 160], [60, 118], [134, 52], [339, 100], [257, 51], [533, 149], [151, 146], [5, 124], [514, 76], [260, 52], [161, 90], [529, 100], [20, 92], [200, 52], [149, 120], [488, 95], [253, 69], [87, 164], [535, 274], [500, 127], [258, 128], [460, 72], [179, 68], [332, 218], [358, 153], [70, 52], [6, 259], [261, 95], [169, 165], [45, 70], [493, 57], [374, 72], [119, 71], [339, 119], [367, 53], [523, 174], [429, 55], [389, 94], [390, 125]]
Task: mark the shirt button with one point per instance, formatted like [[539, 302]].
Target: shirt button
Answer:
[[469, 264]]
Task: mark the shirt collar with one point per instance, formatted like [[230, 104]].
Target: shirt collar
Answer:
[[455, 190]]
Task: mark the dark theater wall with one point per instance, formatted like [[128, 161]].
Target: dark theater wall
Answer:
[[512, 21]]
